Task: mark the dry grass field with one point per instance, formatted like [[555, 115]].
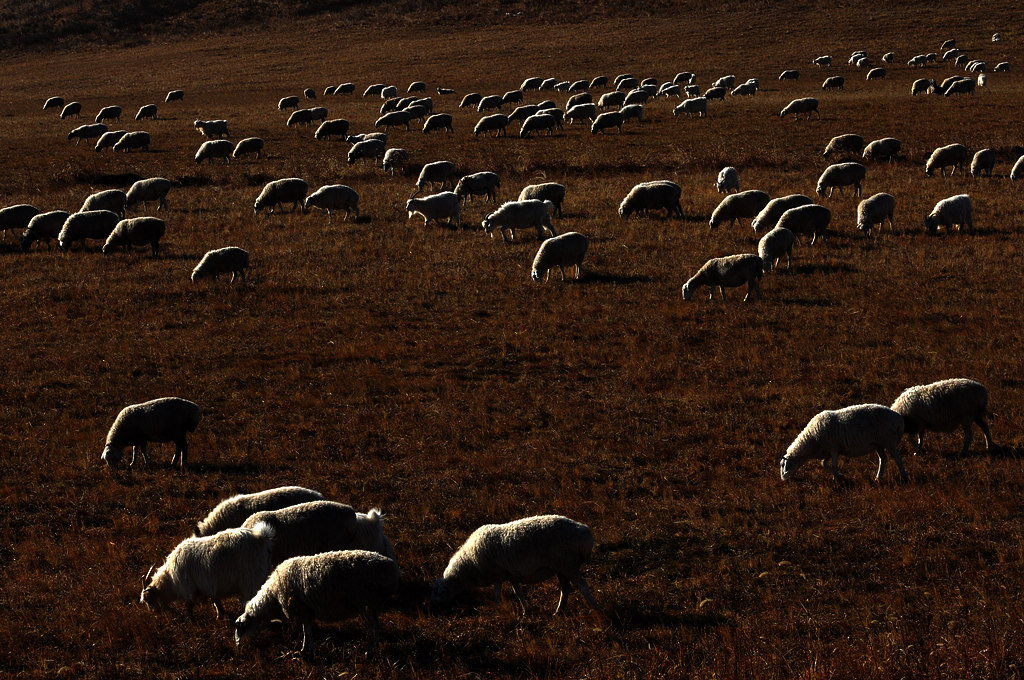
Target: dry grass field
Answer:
[[421, 371]]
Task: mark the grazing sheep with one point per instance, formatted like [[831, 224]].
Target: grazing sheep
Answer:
[[91, 224], [336, 127], [632, 111], [168, 419], [728, 180], [610, 99], [885, 149], [955, 210], [744, 90], [438, 172], [137, 231], [16, 217], [215, 148], [113, 200], [512, 97], [670, 90], [417, 86], [844, 144], [325, 587], [824, 60], [963, 86], [789, 74], [695, 105], [380, 136], [889, 57], [576, 99], [833, 83], [249, 145], [496, 123], [442, 206], [147, 111], [394, 118], [996, 37], [300, 117], [948, 83], [478, 184], [1018, 169], [291, 102], [370, 533], [146, 190], [807, 219], [109, 113], [538, 122], [90, 131], [230, 260], [769, 216], [725, 81], [523, 112], [330, 89], [581, 112], [608, 119], [395, 158], [275, 194], [652, 196], [520, 215], [532, 83], [374, 89], [367, 148], [212, 128], [876, 74], [549, 191], [175, 96], [714, 93], [736, 207], [627, 84], [876, 210], [54, 103], [136, 139], [684, 78], [806, 105], [232, 512], [72, 109], [438, 121], [949, 54], [493, 101], [944, 406], [334, 197], [619, 78], [920, 60], [954, 155], [1002, 67], [635, 97], [852, 431], [230, 562], [309, 93], [42, 227], [389, 91], [565, 250], [308, 528], [528, 550], [948, 44], [727, 272], [775, 244], [864, 62], [471, 100], [579, 86], [598, 81], [839, 176], [923, 86], [983, 161]]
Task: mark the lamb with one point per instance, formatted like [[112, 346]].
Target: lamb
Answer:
[[876, 210], [212, 128], [136, 139], [90, 131], [91, 224], [789, 74], [852, 431], [230, 562], [478, 184], [175, 96], [843, 144], [470, 100], [325, 587], [54, 103], [300, 117], [944, 406], [728, 180], [806, 105], [954, 155], [769, 216], [393, 118], [438, 121], [16, 217], [395, 158], [275, 194], [983, 161], [695, 105], [610, 99], [137, 231], [249, 145], [109, 113], [538, 122], [923, 86], [291, 102], [232, 512], [113, 200], [520, 215], [334, 127], [581, 112], [775, 244], [230, 260], [746, 204], [334, 197], [72, 109], [42, 227], [168, 419], [824, 60], [548, 191], [807, 219], [565, 250], [652, 196], [885, 149], [876, 74], [147, 111], [839, 176], [528, 550], [727, 272], [438, 172], [1018, 169], [444, 205], [215, 148], [493, 101], [367, 148], [955, 210], [608, 119], [496, 123]]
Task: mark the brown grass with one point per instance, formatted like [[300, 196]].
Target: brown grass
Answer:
[[420, 370]]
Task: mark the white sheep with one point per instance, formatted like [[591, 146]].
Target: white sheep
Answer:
[[577, 99], [333, 197], [532, 83], [212, 128], [175, 96], [43, 227], [438, 172], [983, 162], [109, 113], [525, 551], [275, 194], [478, 184], [694, 106], [471, 100], [789, 74], [538, 122], [1017, 171], [16, 217], [807, 219], [393, 118], [635, 97], [232, 562], [395, 158], [962, 86], [146, 190], [330, 128], [608, 119], [876, 74], [598, 81], [417, 86], [90, 224], [136, 139], [920, 60], [493, 101], [982, 80], [725, 81], [581, 112], [232, 512], [728, 180], [370, 533], [374, 89], [309, 528], [442, 206], [290, 102], [548, 191], [229, 260], [523, 112], [833, 83], [727, 272], [136, 231], [167, 419], [654, 195], [684, 78], [72, 109], [876, 210], [923, 86], [438, 121], [806, 105], [841, 175], [113, 200], [944, 406], [300, 117], [885, 149], [769, 216], [737, 207], [824, 60], [215, 148], [147, 111], [1002, 67], [89, 131], [108, 139], [775, 244], [325, 587], [852, 431], [744, 90], [955, 210], [496, 123], [844, 144], [564, 250], [513, 215], [610, 99], [54, 103], [954, 155], [249, 145], [366, 148], [389, 91]]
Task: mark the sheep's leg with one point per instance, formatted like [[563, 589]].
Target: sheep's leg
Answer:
[[968, 436], [565, 588], [219, 609], [372, 628], [835, 464], [308, 640], [497, 592], [562, 269], [980, 420], [899, 463], [919, 445], [882, 459], [181, 451], [585, 591], [142, 450], [518, 590]]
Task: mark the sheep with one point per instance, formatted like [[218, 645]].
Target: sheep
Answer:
[[944, 406], [109, 139], [670, 90], [1002, 67], [976, 66], [948, 44], [529, 550], [632, 111], [478, 184], [394, 118], [42, 227], [852, 431], [309, 93], [1018, 170], [557, 114], [844, 144], [806, 105], [769, 216], [549, 191], [743, 90], [565, 250], [538, 122], [496, 123], [876, 74], [333, 197], [147, 111], [964, 86], [229, 260], [275, 194], [948, 83], [950, 54], [627, 84], [652, 196], [493, 101], [91, 224], [370, 533], [727, 272], [581, 112], [212, 128], [109, 113], [610, 99], [146, 190], [367, 148], [955, 210], [839, 176], [232, 512], [889, 57], [389, 91], [345, 88], [598, 81], [996, 37], [374, 89], [789, 74], [136, 139], [864, 62], [636, 97], [215, 148], [608, 119], [984, 160], [438, 121], [923, 86], [230, 562], [775, 244], [523, 112], [291, 102], [137, 231], [876, 210], [920, 60], [982, 80], [520, 215], [309, 528], [684, 78], [470, 100], [579, 86], [334, 127], [576, 99], [72, 109], [736, 207], [300, 117], [16, 217], [728, 180], [931, 57], [90, 131], [694, 105], [444, 205], [885, 149], [619, 78], [417, 86], [168, 419], [824, 60], [954, 155], [395, 158], [330, 89], [175, 96], [438, 172], [532, 83], [725, 81], [113, 200], [249, 145], [325, 587], [54, 103], [807, 219]]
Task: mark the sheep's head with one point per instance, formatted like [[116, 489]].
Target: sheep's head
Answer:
[[153, 596], [112, 455], [488, 226], [537, 275], [245, 627], [687, 291], [787, 466], [442, 592], [931, 224], [820, 190]]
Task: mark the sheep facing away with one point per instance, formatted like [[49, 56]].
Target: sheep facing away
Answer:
[[727, 272], [944, 406], [955, 210], [275, 194], [232, 512], [520, 215], [442, 206], [548, 191], [565, 250], [876, 210], [652, 196], [852, 431], [334, 197], [168, 419], [137, 231], [775, 244], [736, 207], [524, 551]]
